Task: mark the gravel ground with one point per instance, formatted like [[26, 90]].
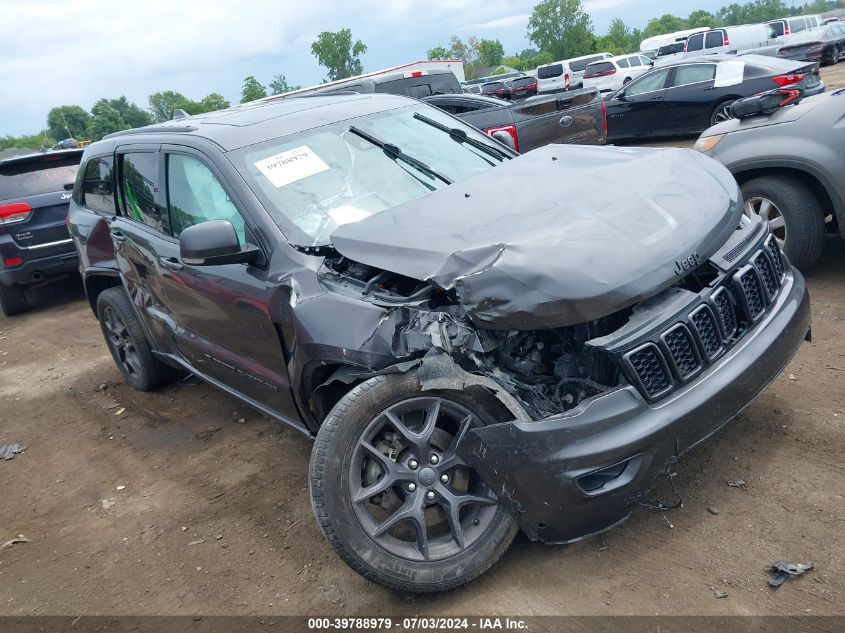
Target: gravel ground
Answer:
[[184, 501]]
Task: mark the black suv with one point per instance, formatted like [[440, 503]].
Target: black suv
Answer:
[[474, 353], [35, 190]]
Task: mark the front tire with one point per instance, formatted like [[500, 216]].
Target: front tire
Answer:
[[793, 214], [393, 497], [127, 343], [13, 299]]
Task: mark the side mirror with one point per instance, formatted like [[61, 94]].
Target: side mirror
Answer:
[[213, 243], [504, 138]]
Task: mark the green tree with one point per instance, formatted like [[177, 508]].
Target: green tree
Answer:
[[28, 141], [490, 52], [105, 119], [209, 103], [439, 52], [163, 104], [132, 115], [562, 28], [666, 23], [252, 90], [280, 85], [619, 39], [68, 121], [336, 52], [700, 19], [514, 61]]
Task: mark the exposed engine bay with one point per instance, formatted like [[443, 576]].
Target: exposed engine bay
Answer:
[[547, 371]]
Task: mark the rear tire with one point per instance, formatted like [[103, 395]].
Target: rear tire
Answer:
[[127, 343], [13, 299], [722, 112], [800, 229], [836, 56], [384, 513]]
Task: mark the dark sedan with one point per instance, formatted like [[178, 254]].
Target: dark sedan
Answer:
[[690, 95], [825, 44]]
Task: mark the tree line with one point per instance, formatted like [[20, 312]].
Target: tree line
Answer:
[[559, 29]]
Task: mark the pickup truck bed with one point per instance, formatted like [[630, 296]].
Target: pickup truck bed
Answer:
[[575, 116]]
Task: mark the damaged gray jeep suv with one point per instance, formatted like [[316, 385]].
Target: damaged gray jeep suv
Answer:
[[475, 352]]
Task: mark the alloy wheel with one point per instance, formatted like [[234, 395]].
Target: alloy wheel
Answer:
[[723, 113], [769, 211], [410, 490], [119, 340]]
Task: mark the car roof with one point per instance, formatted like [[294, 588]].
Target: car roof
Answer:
[[252, 123], [33, 156], [473, 98]]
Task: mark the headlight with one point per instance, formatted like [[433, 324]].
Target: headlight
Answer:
[[705, 144]]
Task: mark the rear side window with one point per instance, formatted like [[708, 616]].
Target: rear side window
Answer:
[[634, 61], [601, 67], [44, 174], [98, 186], [580, 64], [695, 42], [194, 195], [419, 87], [139, 185], [694, 73], [622, 63], [715, 39], [548, 72], [777, 27]]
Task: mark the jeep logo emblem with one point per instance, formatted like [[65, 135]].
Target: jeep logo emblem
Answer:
[[688, 264]]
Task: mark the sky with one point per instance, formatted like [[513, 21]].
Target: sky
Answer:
[[74, 52]]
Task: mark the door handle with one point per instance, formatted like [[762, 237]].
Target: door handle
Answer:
[[171, 263], [117, 236]]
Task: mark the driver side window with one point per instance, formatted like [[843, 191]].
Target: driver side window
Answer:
[[654, 80], [194, 195]]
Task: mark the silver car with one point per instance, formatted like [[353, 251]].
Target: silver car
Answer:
[[791, 168]]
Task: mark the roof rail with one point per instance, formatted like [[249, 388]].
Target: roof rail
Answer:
[[154, 129]]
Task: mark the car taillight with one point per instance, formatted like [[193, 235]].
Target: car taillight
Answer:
[[14, 212], [786, 30], [727, 41], [415, 73], [13, 261], [500, 91], [510, 129], [604, 116], [566, 79], [786, 80]]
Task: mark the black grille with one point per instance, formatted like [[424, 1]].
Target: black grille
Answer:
[[774, 251], [767, 274], [715, 322], [749, 286], [725, 311], [650, 369], [708, 331], [681, 348]]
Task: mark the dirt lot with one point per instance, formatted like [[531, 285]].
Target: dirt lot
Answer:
[[207, 509]]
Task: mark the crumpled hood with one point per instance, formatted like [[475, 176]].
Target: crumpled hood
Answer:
[[559, 236]]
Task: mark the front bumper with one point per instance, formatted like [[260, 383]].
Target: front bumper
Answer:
[[539, 469]]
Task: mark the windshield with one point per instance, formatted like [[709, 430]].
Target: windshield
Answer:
[[315, 181]]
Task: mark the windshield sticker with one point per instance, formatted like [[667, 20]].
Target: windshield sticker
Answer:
[[729, 74], [291, 166]]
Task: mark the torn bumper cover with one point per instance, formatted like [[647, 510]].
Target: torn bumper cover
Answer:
[[582, 472]]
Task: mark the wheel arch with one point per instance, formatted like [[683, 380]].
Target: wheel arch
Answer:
[[814, 181], [96, 281]]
